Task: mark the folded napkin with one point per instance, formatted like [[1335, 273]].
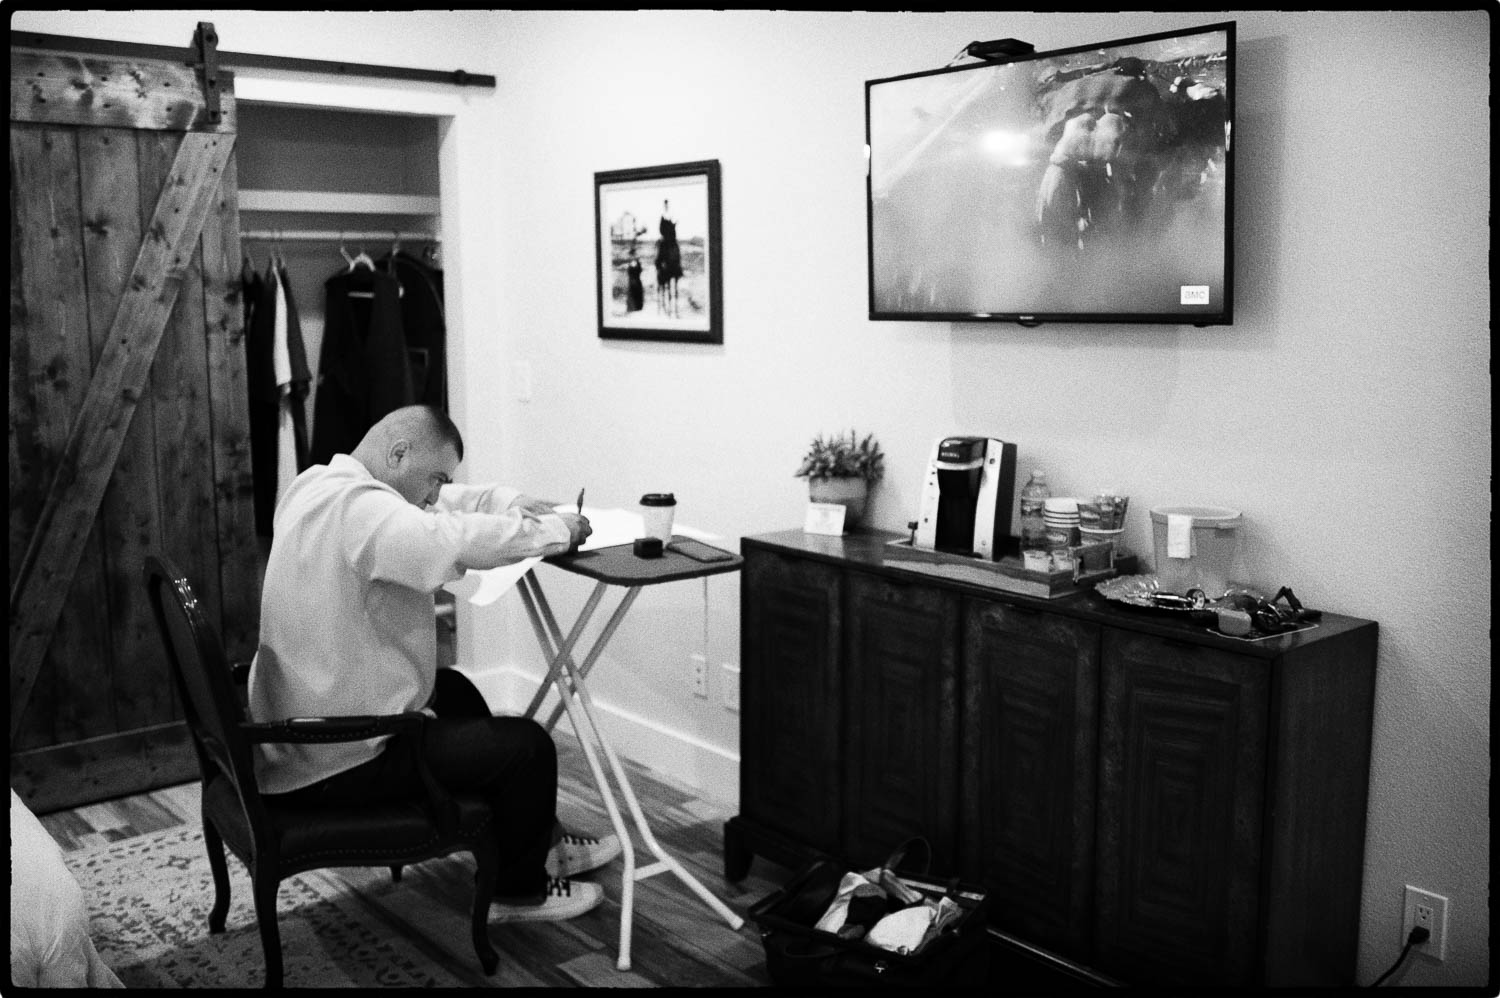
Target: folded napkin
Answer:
[[902, 931]]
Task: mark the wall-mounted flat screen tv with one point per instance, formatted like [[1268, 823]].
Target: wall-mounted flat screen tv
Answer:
[[1087, 184]]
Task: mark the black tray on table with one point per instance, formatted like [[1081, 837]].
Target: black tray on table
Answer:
[[1135, 592]]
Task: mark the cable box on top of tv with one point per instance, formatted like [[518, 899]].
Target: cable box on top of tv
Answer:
[[1000, 48]]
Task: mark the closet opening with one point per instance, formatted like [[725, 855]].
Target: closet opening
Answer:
[[332, 203]]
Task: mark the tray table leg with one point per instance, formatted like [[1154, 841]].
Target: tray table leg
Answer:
[[540, 612], [567, 677]]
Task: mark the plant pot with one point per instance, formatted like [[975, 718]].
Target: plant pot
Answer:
[[851, 493]]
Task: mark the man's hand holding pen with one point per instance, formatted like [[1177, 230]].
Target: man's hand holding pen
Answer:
[[578, 524], [578, 528]]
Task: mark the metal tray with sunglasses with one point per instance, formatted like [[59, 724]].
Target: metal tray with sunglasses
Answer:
[[1281, 614]]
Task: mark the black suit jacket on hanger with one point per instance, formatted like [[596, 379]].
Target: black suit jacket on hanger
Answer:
[[363, 371], [424, 322]]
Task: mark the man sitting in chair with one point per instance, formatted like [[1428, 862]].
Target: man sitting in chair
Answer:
[[360, 545]]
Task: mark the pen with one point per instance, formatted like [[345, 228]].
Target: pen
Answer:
[[580, 502]]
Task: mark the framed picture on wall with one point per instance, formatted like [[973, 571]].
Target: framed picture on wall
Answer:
[[657, 258]]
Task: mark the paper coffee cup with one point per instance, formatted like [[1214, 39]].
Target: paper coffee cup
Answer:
[[657, 509]]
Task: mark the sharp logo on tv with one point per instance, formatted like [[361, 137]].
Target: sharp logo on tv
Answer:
[[1091, 184]]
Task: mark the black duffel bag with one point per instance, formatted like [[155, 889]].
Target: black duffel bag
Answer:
[[799, 955]]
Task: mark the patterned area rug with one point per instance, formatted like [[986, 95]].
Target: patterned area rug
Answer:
[[150, 897]]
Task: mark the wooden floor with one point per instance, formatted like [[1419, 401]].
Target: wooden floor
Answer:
[[688, 825]]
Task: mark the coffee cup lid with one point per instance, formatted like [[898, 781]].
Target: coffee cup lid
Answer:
[[658, 499]]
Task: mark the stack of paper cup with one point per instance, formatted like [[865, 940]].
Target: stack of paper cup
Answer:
[[1060, 515]]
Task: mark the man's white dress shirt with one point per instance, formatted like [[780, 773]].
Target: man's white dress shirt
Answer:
[[347, 624]]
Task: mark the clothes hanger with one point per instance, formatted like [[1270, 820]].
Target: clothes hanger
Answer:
[[360, 259], [390, 262], [271, 254]]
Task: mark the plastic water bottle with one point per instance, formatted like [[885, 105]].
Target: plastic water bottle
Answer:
[[1033, 524]]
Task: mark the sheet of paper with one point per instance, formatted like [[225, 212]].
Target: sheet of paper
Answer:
[[495, 582], [611, 526]]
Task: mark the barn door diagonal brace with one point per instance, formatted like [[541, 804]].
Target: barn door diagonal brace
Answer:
[[120, 379], [206, 60]]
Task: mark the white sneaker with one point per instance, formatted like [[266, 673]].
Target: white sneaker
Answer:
[[575, 854], [564, 899]]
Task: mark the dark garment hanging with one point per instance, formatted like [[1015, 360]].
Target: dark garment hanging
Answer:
[[424, 323], [363, 372], [301, 383], [260, 316], [249, 295], [266, 395]]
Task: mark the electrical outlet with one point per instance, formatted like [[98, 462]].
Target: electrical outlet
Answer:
[[700, 675], [729, 688], [1431, 911]]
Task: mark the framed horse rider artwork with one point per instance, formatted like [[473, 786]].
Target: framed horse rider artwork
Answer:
[[659, 273]]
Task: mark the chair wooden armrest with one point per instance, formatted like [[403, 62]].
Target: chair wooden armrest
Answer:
[[354, 728]]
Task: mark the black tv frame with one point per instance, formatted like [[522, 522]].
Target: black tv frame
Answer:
[[1223, 315]]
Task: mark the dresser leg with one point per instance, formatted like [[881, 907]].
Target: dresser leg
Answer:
[[737, 853]]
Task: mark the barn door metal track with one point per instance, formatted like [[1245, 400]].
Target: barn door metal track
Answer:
[[244, 60]]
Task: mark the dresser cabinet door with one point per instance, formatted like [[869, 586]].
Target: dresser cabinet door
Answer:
[[790, 698], [1030, 694], [1182, 769], [901, 762]]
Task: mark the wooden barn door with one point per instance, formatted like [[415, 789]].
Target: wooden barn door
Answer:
[[129, 426]]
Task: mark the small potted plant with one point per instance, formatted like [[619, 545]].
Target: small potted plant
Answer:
[[840, 468]]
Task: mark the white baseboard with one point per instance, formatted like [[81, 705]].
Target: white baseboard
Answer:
[[710, 771]]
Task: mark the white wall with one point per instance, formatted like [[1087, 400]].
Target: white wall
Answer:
[[1346, 412]]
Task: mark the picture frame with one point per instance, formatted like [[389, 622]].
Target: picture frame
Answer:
[[658, 254]]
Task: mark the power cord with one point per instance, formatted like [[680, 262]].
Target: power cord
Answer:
[[1419, 934]]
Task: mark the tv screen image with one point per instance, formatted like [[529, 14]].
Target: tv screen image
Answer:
[[1089, 184]]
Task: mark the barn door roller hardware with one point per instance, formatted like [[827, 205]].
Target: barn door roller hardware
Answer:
[[205, 56]]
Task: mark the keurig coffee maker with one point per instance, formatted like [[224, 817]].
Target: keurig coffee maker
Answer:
[[967, 497]]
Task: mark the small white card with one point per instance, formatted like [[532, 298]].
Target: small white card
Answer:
[[1195, 294], [1179, 536], [824, 518]]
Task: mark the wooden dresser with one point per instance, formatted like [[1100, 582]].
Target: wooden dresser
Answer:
[[1140, 794]]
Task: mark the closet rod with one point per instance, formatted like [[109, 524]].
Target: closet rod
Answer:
[[245, 60], [337, 235]]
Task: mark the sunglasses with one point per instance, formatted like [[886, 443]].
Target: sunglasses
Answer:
[[1273, 616], [1282, 612]]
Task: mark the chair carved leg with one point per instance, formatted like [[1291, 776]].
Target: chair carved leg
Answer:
[[215, 846], [265, 884], [487, 862]]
